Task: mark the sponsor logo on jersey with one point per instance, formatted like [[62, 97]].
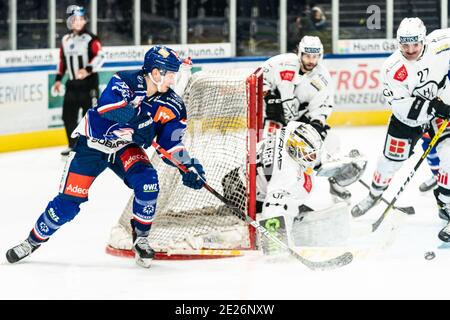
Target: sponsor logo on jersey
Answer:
[[108, 143], [176, 100], [151, 187], [280, 148], [307, 185], [132, 156], [287, 75], [52, 214], [78, 185], [145, 124], [401, 74], [397, 149], [164, 115]]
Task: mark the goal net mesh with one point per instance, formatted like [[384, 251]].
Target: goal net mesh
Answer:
[[217, 135]]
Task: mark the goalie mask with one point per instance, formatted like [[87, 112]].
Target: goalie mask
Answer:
[[304, 145]]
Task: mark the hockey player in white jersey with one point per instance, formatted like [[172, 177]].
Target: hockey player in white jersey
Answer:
[[416, 88], [298, 87], [286, 162]]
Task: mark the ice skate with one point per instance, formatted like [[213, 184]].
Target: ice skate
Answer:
[[444, 213], [365, 205], [20, 251], [143, 252], [429, 184]]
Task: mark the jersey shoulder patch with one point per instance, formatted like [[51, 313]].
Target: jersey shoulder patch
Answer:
[[134, 79], [401, 74], [287, 75]]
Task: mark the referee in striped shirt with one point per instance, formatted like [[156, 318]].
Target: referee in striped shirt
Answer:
[[81, 57]]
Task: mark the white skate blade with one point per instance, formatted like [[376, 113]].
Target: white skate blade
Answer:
[[144, 263]]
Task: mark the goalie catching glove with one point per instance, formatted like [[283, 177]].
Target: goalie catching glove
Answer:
[[193, 179]]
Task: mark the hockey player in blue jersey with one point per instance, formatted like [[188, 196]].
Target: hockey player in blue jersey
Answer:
[[136, 107]]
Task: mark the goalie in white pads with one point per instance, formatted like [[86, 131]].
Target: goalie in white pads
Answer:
[[299, 87], [285, 180], [416, 86]]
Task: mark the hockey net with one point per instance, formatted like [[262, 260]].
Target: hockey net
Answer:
[[224, 117]]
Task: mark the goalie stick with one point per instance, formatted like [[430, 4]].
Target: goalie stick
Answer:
[[333, 263], [377, 223], [407, 210]]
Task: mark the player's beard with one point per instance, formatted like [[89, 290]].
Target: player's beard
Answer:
[[309, 66]]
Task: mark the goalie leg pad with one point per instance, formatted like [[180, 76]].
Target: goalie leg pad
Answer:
[[58, 212], [143, 179], [328, 227]]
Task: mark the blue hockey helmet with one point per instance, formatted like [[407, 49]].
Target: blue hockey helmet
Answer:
[[162, 58]]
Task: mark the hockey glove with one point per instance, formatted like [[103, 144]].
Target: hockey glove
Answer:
[[321, 128], [274, 108], [192, 179], [143, 130], [440, 109]]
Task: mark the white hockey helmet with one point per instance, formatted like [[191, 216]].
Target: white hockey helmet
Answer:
[[411, 30], [304, 145], [311, 45], [74, 12]]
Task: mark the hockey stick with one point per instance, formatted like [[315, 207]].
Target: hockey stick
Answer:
[[407, 210], [408, 179], [336, 262]]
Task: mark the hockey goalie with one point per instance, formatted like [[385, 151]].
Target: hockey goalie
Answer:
[[288, 164]]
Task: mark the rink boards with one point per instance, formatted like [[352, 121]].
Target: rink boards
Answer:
[[30, 111]]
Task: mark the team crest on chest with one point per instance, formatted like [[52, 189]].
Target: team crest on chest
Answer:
[[401, 74]]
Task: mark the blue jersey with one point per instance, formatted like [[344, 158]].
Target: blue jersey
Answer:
[[125, 93]]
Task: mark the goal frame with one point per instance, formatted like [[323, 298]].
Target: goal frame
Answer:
[[255, 114]]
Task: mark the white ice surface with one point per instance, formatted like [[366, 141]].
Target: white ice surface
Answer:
[[73, 264]]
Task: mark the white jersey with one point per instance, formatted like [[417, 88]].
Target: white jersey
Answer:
[[277, 172], [409, 86], [310, 93], [314, 94]]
